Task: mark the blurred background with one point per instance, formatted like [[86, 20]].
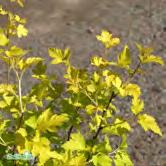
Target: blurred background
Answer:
[[75, 23]]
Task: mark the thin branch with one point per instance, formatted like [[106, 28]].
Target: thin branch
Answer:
[[113, 124], [69, 132], [103, 114], [90, 98], [133, 73]]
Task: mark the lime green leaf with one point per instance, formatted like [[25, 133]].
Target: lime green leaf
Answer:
[[101, 160], [21, 31], [39, 69], [90, 109], [22, 131], [149, 123], [20, 139], [78, 161], [3, 39], [50, 122], [97, 119], [103, 147], [3, 124], [76, 142], [107, 40], [31, 122], [40, 146], [122, 159], [124, 59], [8, 99], [91, 88], [118, 127]]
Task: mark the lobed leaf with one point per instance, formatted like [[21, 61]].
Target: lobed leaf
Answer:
[[149, 123]]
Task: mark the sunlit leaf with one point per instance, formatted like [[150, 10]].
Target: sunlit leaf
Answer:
[[50, 122], [3, 39], [149, 123], [15, 51], [76, 142], [122, 159], [137, 106], [124, 59], [59, 56], [152, 59], [101, 160], [78, 161], [21, 31], [107, 39]]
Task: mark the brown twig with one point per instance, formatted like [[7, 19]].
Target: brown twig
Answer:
[[113, 95], [69, 132]]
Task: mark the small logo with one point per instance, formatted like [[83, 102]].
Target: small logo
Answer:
[[16, 156]]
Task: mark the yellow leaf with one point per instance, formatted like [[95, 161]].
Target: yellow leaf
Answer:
[[40, 146], [20, 2], [107, 40], [50, 122], [3, 104], [19, 19], [137, 106], [99, 61], [3, 39], [118, 125], [147, 57], [96, 76], [90, 109], [78, 161], [21, 31], [8, 99], [124, 59], [22, 64], [59, 56], [2, 11], [149, 123], [117, 82], [15, 51], [76, 142], [152, 59], [6, 88], [132, 90]]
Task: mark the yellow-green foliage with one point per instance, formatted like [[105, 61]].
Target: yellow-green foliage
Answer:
[[71, 124]]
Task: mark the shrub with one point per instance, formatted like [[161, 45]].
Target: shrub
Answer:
[[76, 123]]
